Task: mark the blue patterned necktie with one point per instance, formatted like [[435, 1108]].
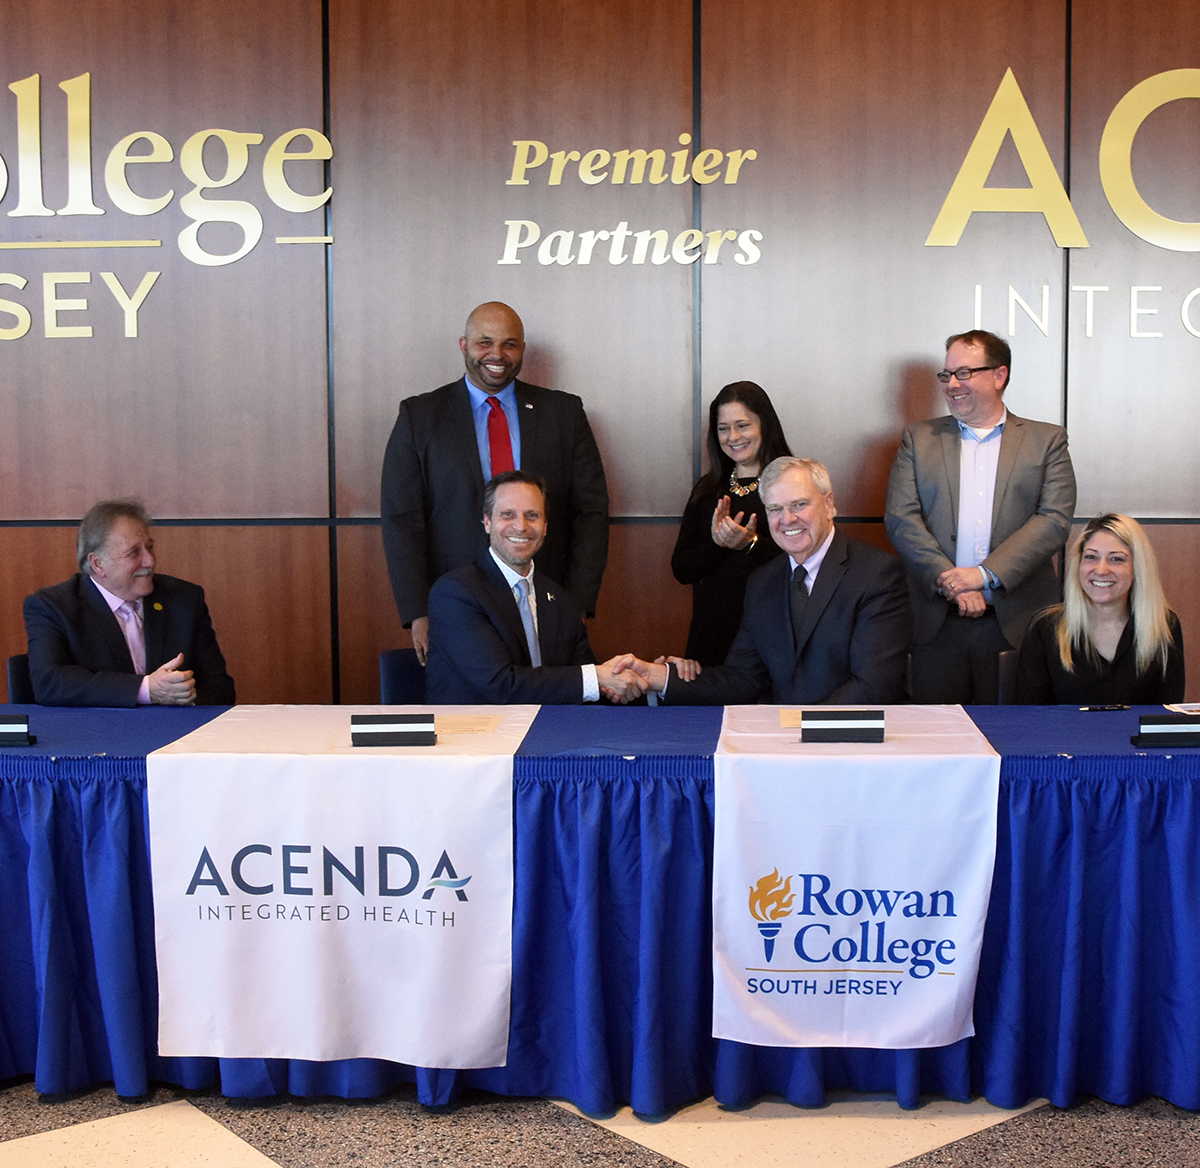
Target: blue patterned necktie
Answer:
[[535, 651]]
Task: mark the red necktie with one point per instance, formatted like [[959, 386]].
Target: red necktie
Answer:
[[499, 441]]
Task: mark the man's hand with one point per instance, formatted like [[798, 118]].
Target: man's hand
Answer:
[[619, 680], [953, 582], [653, 675], [420, 636], [728, 531], [687, 669], [172, 686], [970, 604]]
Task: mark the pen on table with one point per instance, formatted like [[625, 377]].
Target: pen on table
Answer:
[[1093, 709]]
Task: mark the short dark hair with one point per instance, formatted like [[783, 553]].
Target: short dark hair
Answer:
[[774, 445], [96, 526], [995, 348], [510, 476]]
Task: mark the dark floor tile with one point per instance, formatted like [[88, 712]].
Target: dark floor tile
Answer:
[[480, 1131], [1094, 1134]]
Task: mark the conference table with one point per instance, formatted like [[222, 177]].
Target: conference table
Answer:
[[1089, 980]]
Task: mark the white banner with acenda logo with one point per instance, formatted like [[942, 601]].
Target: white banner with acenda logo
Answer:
[[851, 882], [314, 900]]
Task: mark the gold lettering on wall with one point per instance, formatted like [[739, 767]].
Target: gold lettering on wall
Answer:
[[1116, 163], [1008, 113], [634, 166]]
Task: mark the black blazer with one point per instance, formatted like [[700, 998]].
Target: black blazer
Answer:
[[432, 492], [78, 655], [477, 648], [851, 647]]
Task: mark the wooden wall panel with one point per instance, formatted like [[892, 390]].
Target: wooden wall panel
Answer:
[[427, 100], [267, 590], [205, 411], [367, 622], [35, 557], [641, 608], [1133, 407], [861, 114]]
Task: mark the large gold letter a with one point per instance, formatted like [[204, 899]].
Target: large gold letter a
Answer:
[[1008, 113]]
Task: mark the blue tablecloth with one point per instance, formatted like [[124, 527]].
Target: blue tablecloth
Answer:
[[1087, 982]]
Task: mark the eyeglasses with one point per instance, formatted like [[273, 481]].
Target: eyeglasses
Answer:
[[963, 374]]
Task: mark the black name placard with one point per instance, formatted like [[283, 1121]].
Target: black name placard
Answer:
[[14, 730], [1167, 730], [841, 726], [392, 730]]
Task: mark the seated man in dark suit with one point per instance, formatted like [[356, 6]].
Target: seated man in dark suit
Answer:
[[116, 634], [498, 634], [828, 622]]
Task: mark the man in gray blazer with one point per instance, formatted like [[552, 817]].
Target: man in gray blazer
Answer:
[[978, 504], [442, 452]]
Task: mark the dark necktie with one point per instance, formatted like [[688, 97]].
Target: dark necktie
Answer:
[[799, 597], [499, 440]]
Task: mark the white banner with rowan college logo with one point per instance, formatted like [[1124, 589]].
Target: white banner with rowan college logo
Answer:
[[314, 900], [851, 882]]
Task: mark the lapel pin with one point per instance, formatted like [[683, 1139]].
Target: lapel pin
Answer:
[[529, 405], [549, 595], [157, 607]]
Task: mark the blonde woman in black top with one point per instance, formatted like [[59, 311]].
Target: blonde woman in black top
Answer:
[[1114, 639]]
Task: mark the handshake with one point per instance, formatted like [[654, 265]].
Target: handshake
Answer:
[[624, 679]]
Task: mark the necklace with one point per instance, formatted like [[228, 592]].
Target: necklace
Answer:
[[737, 487]]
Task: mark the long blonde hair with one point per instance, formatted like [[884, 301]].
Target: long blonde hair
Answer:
[[1148, 607]]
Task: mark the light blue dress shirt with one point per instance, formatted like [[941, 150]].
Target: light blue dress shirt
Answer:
[[978, 461]]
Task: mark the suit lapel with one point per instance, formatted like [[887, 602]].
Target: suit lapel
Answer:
[[547, 617], [154, 630], [460, 436], [1010, 444], [833, 568], [109, 625], [951, 443], [504, 605], [527, 418]]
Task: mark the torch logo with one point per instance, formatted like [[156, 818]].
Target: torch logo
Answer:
[[771, 901]]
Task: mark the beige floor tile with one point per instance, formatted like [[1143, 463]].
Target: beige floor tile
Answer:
[[175, 1135], [861, 1133]]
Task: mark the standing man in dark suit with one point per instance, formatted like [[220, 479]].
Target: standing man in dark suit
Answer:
[[828, 622], [978, 504], [117, 634], [498, 634], [448, 443]]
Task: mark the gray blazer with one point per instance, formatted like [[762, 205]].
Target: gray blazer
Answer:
[[1031, 517]]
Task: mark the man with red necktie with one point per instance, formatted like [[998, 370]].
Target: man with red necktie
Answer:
[[447, 444]]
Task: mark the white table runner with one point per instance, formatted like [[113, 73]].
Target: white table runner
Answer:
[[851, 882], [320, 901]]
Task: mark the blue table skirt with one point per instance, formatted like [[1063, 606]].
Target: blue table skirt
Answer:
[[1087, 981]]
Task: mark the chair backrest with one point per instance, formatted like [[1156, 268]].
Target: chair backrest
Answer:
[[20, 687], [1008, 677], [401, 678]]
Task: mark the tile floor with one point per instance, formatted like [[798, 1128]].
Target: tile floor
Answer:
[[177, 1129]]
